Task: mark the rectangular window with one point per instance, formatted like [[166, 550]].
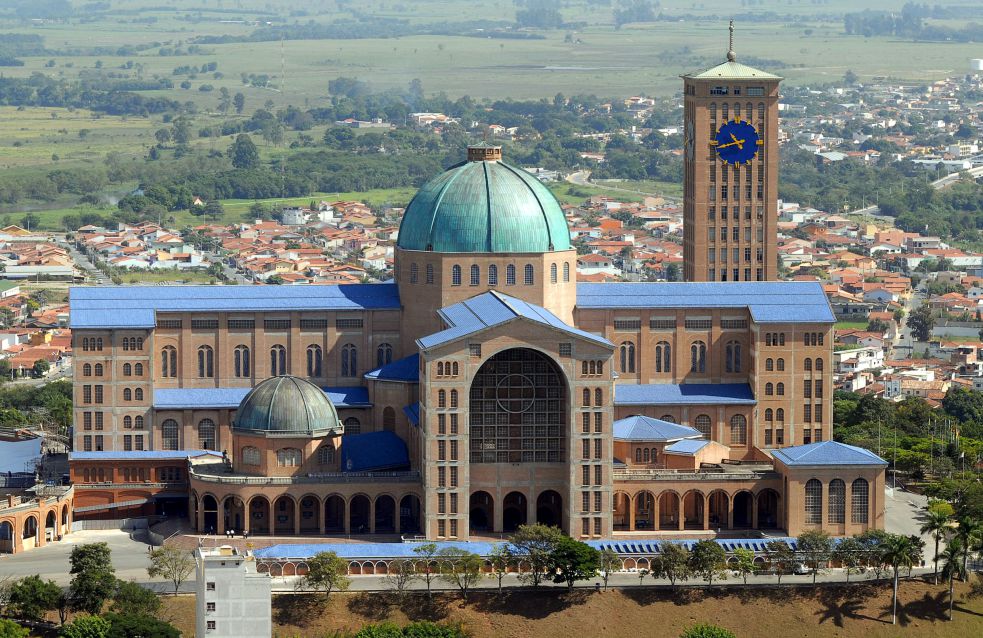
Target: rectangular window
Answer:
[[453, 527], [585, 501], [627, 324], [276, 324], [87, 443], [818, 413], [585, 480], [441, 503], [86, 420], [780, 436], [348, 324], [99, 421], [818, 435], [586, 449], [718, 90], [139, 442], [313, 324], [767, 438], [99, 447], [712, 255], [87, 394], [711, 212], [210, 625], [453, 424], [598, 474], [733, 324], [566, 349], [441, 424], [585, 526], [807, 388], [474, 349], [662, 324], [454, 476], [441, 477], [699, 324], [598, 422], [807, 413], [598, 501], [98, 398], [597, 527], [711, 233], [453, 502], [441, 450], [204, 324], [598, 449], [819, 388], [806, 436], [586, 419], [240, 324], [755, 91], [454, 450], [441, 528], [169, 323]]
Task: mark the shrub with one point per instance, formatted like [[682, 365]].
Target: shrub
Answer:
[[707, 631]]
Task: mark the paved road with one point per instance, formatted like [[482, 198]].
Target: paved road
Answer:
[[582, 178], [84, 264]]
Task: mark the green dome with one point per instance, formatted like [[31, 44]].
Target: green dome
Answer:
[[484, 207], [287, 405]]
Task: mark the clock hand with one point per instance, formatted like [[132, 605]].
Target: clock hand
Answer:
[[738, 143]]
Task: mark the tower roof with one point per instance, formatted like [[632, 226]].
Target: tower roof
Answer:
[[484, 206], [731, 69]]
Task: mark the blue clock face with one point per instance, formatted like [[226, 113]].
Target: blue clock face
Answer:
[[737, 142]]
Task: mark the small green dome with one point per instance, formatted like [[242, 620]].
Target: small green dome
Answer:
[[484, 207], [287, 405]]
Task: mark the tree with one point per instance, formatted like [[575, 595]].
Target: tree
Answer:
[[461, 568], [781, 557], [848, 552], [707, 631], [815, 547], [239, 102], [501, 560], [93, 577], [968, 531], [10, 629], [921, 321], [213, 209], [937, 524], [31, 598], [952, 566], [744, 565], [87, 627], [572, 560], [399, 576], [535, 543], [243, 152], [326, 572], [40, 368], [431, 570], [898, 552], [672, 562], [131, 625], [171, 563], [131, 598], [181, 131], [707, 558], [163, 136], [609, 561]]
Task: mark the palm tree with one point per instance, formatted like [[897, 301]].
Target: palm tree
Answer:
[[899, 552], [936, 523], [968, 532], [952, 565]]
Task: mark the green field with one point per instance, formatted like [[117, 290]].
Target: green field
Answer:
[[851, 325]]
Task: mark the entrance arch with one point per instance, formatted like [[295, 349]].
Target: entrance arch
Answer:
[[234, 512], [284, 515], [334, 514], [645, 511], [30, 533], [515, 510], [549, 509], [358, 514], [259, 516], [51, 525], [481, 512], [768, 501], [693, 513], [621, 507], [6, 537], [719, 504], [310, 515], [209, 507], [409, 514], [743, 508], [65, 526], [669, 510], [385, 515]]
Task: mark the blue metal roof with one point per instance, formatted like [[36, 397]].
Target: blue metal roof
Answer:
[[373, 451], [684, 394], [768, 301], [230, 398], [137, 455], [406, 369], [15, 454], [412, 413], [493, 309], [644, 428], [687, 446], [371, 551], [135, 306], [827, 453]]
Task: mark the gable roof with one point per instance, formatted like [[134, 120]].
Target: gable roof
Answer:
[[684, 394], [731, 71], [644, 428], [686, 446], [827, 453], [492, 309]]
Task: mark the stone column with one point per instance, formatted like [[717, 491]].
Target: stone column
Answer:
[[321, 516], [530, 511], [706, 512], [200, 517], [372, 516], [655, 513], [754, 512], [296, 518], [219, 518], [347, 517], [681, 518], [631, 513], [498, 513], [730, 512]]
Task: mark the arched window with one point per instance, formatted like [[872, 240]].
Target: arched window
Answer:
[[510, 275], [126, 343], [663, 357], [127, 422], [566, 271], [168, 361], [668, 418], [584, 368], [206, 362], [325, 455], [528, 279], [738, 430], [638, 455], [837, 501], [552, 273], [388, 419], [808, 364], [127, 394], [440, 368], [781, 338], [138, 394], [627, 357], [455, 275], [493, 275], [352, 426], [87, 369], [349, 360], [475, 275], [99, 370], [99, 344], [586, 397], [383, 355], [698, 357], [819, 365], [206, 435], [288, 457], [85, 344], [780, 364], [314, 359], [859, 501], [592, 367], [414, 273], [769, 389], [453, 398], [240, 360], [769, 364], [429, 274], [169, 435], [780, 389], [598, 397], [733, 357], [814, 502], [127, 370], [278, 361], [250, 455], [769, 415], [441, 398], [139, 344], [138, 369], [703, 424], [645, 455], [780, 415], [138, 423]]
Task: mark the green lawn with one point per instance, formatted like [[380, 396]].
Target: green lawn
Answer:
[[154, 277], [851, 325]]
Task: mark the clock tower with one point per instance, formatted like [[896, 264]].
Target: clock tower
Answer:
[[730, 184]]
